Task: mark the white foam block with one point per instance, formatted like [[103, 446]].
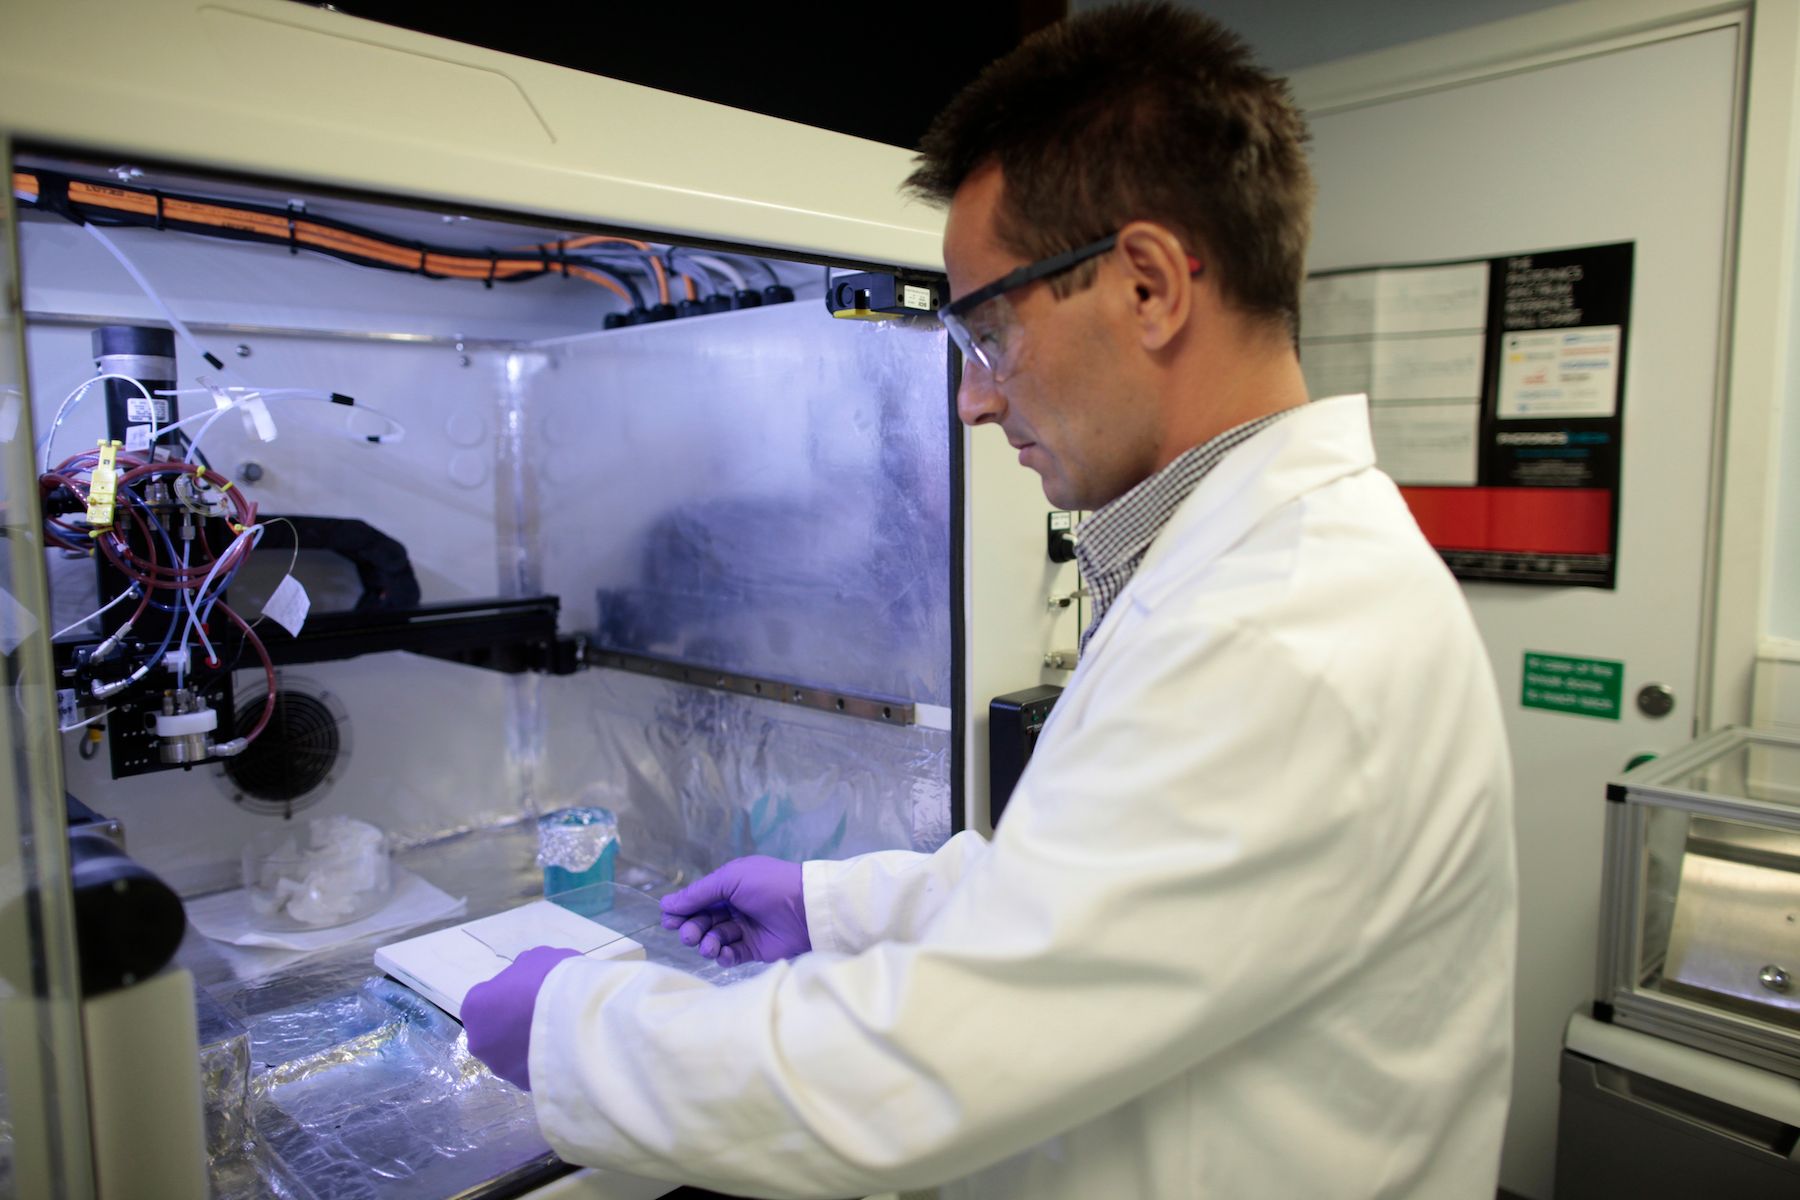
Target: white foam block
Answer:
[[443, 966]]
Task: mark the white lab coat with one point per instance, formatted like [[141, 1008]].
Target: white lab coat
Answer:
[[1246, 931]]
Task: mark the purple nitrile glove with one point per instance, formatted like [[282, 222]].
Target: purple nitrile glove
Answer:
[[496, 1014], [749, 910]]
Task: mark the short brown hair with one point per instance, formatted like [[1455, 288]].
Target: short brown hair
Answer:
[[1139, 112]]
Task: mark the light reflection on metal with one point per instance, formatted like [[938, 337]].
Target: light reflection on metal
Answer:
[[240, 329], [886, 710], [1737, 918]]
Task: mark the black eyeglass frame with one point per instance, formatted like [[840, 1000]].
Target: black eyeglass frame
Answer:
[[1044, 268]]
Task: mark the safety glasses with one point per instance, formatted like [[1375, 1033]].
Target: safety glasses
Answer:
[[982, 323]]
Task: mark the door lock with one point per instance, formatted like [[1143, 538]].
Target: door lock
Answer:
[[1656, 700]]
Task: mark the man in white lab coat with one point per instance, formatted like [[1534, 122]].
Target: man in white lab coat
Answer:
[[1247, 928]]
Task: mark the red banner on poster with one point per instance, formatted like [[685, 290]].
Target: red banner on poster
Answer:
[[1513, 519]]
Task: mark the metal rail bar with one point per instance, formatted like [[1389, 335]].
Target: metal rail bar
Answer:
[[885, 710]]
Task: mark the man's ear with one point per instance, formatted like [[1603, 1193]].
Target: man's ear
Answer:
[[1158, 269]]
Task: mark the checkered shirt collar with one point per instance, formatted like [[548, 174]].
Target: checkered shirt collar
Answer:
[[1115, 539]]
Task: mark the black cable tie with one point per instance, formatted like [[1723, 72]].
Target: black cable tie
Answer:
[[493, 265], [420, 247], [53, 195], [562, 255], [159, 210], [293, 234], [209, 357], [340, 398]]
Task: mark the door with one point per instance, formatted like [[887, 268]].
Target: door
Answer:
[[43, 1096], [1632, 144]]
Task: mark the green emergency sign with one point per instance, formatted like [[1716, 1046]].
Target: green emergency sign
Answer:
[[1587, 687]]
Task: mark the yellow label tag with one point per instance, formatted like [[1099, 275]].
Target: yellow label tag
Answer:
[[103, 487]]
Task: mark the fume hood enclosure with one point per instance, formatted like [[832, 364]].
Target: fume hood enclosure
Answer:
[[754, 500], [583, 516]]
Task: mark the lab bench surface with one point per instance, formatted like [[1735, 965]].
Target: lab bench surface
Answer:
[[324, 1078]]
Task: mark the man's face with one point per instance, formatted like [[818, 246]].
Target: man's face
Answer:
[[1066, 399]]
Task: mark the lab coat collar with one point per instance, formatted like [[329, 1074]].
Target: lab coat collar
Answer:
[[1311, 447]]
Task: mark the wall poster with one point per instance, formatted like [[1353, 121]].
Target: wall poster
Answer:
[[1496, 397]]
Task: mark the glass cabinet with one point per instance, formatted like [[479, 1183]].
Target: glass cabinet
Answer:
[[1700, 923]]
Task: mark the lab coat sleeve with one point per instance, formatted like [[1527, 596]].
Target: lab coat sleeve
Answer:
[[889, 895], [1190, 868]]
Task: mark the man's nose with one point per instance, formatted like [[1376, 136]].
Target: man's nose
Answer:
[[978, 401]]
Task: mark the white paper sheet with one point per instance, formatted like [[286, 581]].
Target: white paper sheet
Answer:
[[226, 917], [1427, 444], [1444, 367], [1412, 339], [443, 966]]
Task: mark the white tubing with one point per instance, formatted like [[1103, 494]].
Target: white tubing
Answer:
[[724, 268], [123, 596], [187, 334], [243, 395], [74, 397], [84, 724]]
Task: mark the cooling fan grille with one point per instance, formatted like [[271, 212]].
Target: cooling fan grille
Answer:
[[292, 765]]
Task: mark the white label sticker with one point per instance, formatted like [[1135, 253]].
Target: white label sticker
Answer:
[[257, 421], [137, 437], [931, 716], [913, 296], [288, 606], [137, 408]]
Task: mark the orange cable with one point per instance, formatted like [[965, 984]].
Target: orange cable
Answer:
[[603, 281], [601, 239], [312, 234]]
